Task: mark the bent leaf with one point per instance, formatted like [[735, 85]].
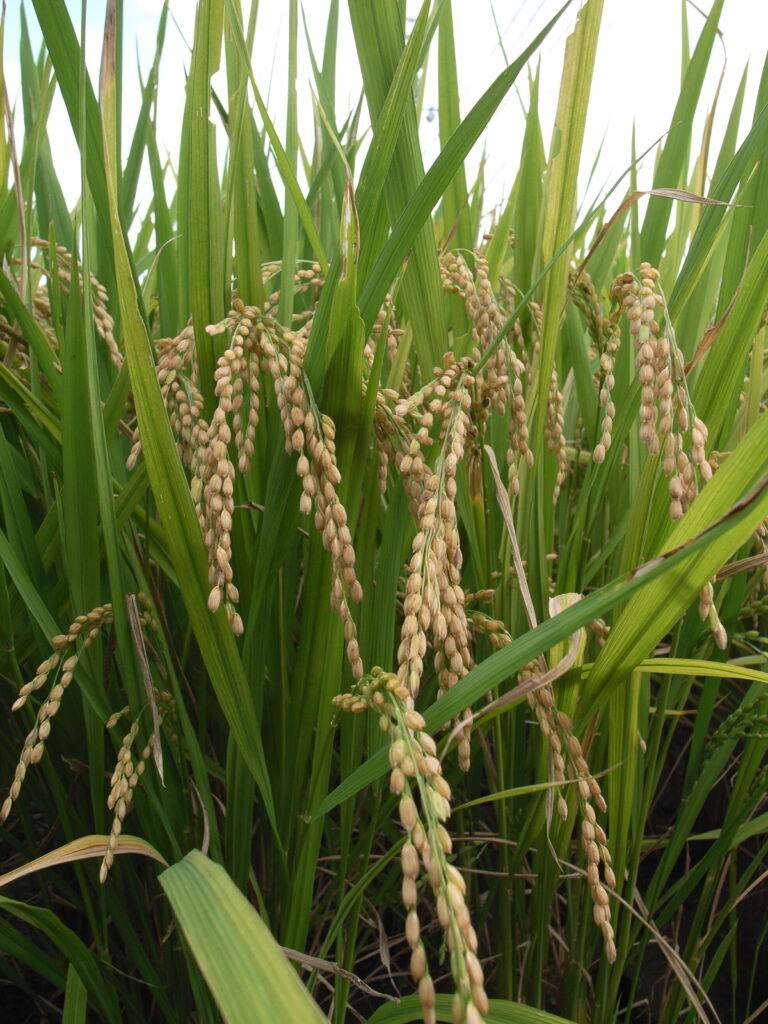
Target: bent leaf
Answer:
[[83, 848]]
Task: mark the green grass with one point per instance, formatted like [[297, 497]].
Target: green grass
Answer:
[[272, 824]]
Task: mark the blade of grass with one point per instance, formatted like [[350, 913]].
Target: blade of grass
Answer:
[[506, 662], [437, 179], [75, 999], [171, 492]]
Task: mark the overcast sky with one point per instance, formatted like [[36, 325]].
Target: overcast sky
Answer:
[[636, 78]]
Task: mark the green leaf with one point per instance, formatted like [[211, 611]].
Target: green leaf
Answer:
[[698, 667], [437, 179], [182, 531], [378, 31], [504, 663], [456, 198], [378, 161], [717, 391], [281, 158], [11, 385], [143, 129], [650, 614], [559, 213], [250, 978], [198, 201], [242, 197], [61, 40], [35, 604], [527, 205], [290, 217], [724, 185], [75, 999], [77, 953], [376, 168], [672, 164]]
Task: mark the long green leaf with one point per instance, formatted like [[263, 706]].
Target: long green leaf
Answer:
[[77, 953], [437, 179], [651, 613], [671, 166], [378, 31], [171, 492], [61, 40], [198, 198], [75, 999], [504, 663], [283, 163], [250, 978]]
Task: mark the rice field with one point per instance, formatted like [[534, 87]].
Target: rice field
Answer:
[[383, 575]]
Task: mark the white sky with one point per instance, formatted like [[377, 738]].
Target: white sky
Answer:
[[636, 78]]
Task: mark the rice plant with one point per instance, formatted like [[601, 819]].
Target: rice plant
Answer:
[[382, 584]]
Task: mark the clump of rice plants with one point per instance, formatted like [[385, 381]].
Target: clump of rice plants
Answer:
[[382, 583]]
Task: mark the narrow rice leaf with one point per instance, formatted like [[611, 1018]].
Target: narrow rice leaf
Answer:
[[718, 387], [283, 163], [130, 178], [79, 512], [291, 214], [724, 185], [61, 41], [32, 333], [75, 999], [379, 158], [200, 287], [49, 198], [698, 667], [15, 391], [85, 848], [242, 198], [171, 492], [167, 283], [437, 179], [374, 172], [378, 31], [651, 613], [16, 944], [18, 523], [456, 199], [527, 207], [671, 167], [509, 660], [560, 199], [26, 589], [76, 952]]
